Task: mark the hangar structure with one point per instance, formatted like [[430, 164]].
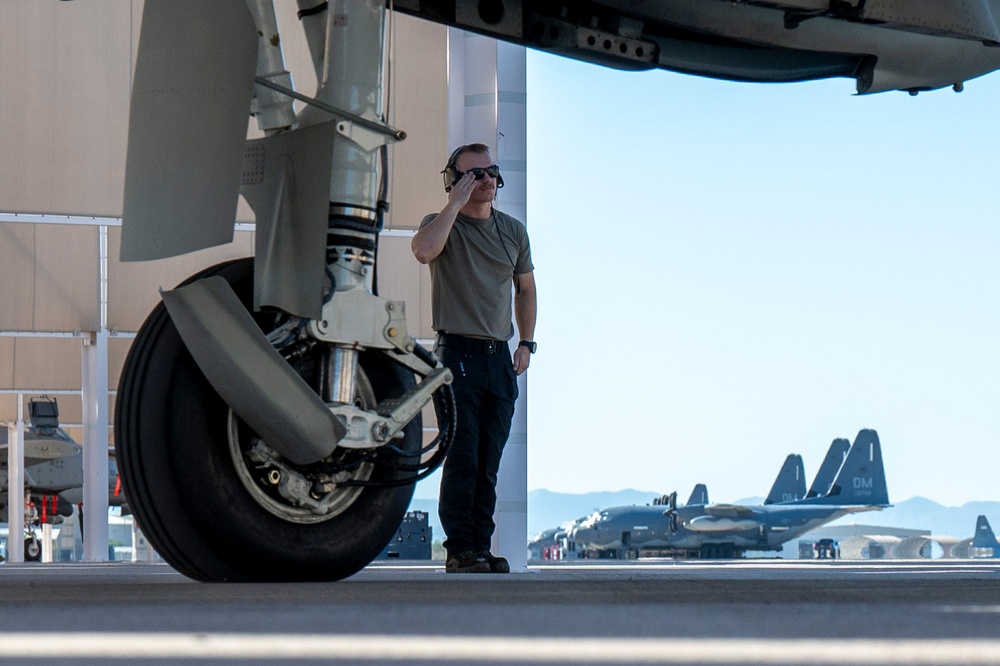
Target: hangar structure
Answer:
[[882, 546], [70, 308], [875, 542]]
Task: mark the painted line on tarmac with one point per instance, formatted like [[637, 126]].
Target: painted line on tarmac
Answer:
[[357, 647], [981, 610]]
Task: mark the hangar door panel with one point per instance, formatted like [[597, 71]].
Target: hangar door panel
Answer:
[[40, 363], [67, 67], [134, 287], [50, 277], [419, 106]]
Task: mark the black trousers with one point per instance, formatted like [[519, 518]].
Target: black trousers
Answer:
[[485, 390]]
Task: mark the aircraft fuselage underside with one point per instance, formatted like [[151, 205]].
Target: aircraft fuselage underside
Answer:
[[882, 44]]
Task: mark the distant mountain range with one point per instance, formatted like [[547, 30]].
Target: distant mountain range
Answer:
[[548, 509]]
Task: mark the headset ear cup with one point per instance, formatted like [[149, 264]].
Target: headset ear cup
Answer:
[[450, 176], [451, 171]]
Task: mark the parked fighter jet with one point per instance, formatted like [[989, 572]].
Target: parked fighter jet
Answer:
[[730, 530], [234, 390], [53, 472], [984, 542]]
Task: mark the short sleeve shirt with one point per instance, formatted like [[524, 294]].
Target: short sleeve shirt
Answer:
[[471, 278]]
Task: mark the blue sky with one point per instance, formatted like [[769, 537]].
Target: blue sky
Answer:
[[729, 273]]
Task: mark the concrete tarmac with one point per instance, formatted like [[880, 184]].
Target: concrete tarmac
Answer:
[[650, 611]]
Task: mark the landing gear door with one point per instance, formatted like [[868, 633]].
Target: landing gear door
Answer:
[[194, 78]]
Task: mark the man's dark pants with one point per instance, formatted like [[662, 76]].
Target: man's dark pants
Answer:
[[485, 390]]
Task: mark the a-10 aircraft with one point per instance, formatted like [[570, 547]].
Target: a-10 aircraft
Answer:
[[283, 392], [53, 473], [842, 486]]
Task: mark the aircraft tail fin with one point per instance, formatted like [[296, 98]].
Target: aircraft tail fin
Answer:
[[791, 482], [828, 470], [984, 537], [861, 480], [699, 496]]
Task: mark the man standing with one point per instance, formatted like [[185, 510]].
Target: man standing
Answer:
[[474, 252]]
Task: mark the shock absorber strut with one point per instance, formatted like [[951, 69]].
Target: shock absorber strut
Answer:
[[350, 68]]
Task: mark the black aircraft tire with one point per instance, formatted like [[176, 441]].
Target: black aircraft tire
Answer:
[[32, 550], [177, 471]]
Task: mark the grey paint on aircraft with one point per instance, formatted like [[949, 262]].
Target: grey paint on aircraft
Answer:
[[730, 530], [53, 465]]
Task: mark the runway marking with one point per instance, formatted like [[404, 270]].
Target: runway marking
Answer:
[[970, 609], [653, 563], [356, 647], [926, 572]]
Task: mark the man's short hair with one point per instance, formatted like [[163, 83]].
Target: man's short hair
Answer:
[[477, 148]]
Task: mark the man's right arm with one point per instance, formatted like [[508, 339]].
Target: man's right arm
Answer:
[[430, 239]]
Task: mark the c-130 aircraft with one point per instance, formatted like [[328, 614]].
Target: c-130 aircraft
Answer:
[[850, 480], [282, 391]]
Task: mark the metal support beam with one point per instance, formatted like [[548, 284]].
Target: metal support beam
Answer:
[[487, 104], [512, 489], [33, 218], [15, 485], [95, 447], [46, 540]]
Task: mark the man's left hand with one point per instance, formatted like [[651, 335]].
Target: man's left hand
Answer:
[[522, 358]]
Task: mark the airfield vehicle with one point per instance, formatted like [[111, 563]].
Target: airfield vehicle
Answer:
[[826, 549]]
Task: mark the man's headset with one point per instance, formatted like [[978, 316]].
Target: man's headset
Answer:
[[452, 174]]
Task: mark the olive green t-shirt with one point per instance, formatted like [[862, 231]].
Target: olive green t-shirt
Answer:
[[471, 278]]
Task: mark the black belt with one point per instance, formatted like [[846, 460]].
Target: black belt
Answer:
[[472, 345]]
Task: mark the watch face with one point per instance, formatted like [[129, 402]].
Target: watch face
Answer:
[[532, 346]]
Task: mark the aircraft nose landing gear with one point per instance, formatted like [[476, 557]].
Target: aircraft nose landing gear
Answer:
[[216, 502], [268, 426]]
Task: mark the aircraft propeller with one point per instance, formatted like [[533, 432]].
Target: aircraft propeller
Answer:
[[671, 512]]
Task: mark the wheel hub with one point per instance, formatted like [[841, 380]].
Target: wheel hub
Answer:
[[300, 494]]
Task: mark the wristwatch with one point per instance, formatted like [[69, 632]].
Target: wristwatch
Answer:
[[532, 346]]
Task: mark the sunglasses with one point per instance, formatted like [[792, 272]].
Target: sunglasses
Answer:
[[491, 171]]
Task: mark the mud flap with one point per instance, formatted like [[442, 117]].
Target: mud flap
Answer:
[[247, 372]]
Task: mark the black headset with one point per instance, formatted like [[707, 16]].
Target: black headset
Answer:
[[452, 174]]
